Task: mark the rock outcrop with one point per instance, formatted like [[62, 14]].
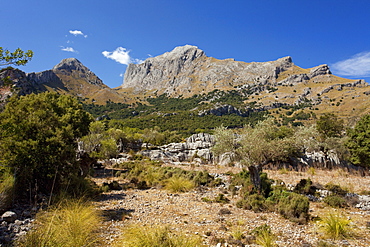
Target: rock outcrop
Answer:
[[196, 148]]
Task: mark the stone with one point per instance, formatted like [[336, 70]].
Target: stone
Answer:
[[9, 216]]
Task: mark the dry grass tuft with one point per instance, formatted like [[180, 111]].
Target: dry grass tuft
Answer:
[[71, 224], [156, 236]]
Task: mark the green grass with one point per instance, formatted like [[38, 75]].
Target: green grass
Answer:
[[71, 224], [156, 236]]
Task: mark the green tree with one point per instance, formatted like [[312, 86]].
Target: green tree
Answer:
[[18, 57], [256, 146], [329, 125], [359, 142], [38, 141]]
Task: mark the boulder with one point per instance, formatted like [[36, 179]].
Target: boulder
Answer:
[[9, 216]]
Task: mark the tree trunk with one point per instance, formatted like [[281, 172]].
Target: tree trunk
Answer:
[[255, 171]]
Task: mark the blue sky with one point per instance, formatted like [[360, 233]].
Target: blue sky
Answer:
[[107, 35]]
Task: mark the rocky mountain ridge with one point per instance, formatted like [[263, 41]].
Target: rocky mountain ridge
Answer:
[[69, 76]]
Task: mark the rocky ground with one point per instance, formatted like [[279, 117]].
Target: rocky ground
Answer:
[[215, 222]]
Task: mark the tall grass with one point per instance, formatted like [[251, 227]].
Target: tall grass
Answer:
[[336, 226], [156, 236], [71, 224]]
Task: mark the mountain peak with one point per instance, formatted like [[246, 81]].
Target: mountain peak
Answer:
[[69, 64], [184, 52]]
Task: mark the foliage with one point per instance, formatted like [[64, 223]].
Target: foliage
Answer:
[[18, 57], [294, 207], [305, 187], [174, 114], [38, 141], [274, 144], [336, 189], [329, 125], [72, 223], [335, 226], [6, 190], [359, 142], [253, 202], [242, 179], [156, 236], [335, 201]]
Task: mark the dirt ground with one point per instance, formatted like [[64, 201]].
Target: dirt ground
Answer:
[[215, 222]]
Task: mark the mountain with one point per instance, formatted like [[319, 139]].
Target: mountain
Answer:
[[69, 76], [187, 71]]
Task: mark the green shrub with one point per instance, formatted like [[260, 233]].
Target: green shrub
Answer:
[[305, 187], [294, 207], [243, 179], [335, 201], [336, 189], [71, 224], [156, 236], [253, 202]]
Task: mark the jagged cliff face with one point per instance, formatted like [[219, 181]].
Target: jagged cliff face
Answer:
[[187, 70]]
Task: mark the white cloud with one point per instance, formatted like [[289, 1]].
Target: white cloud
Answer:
[[69, 49], [358, 65], [77, 32], [122, 56]]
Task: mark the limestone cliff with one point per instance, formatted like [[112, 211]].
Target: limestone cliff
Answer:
[[187, 71]]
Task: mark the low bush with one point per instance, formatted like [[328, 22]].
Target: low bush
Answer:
[[156, 236], [305, 187], [253, 202], [294, 207], [336, 189], [335, 201]]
